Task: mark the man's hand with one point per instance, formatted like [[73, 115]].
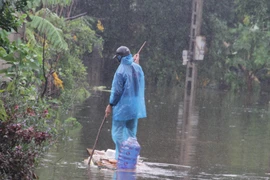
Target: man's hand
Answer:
[[108, 110], [136, 58]]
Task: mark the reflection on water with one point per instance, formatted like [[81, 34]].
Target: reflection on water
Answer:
[[145, 171], [124, 175], [162, 171], [222, 136]]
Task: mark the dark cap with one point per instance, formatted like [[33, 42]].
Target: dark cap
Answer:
[[122, 51]]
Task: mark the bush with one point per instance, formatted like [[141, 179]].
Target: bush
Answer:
[[19, 149]]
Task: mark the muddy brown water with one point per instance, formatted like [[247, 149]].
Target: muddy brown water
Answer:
[[223, 136]]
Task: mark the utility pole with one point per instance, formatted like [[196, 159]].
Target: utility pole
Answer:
[[190, 58], [195, 30]]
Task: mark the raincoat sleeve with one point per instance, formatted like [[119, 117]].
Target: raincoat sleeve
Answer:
[[117, 88]]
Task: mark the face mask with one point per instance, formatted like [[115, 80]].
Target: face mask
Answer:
[[119, 58]]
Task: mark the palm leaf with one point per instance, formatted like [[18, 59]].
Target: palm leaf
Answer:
[[30, 36], [53, 34]]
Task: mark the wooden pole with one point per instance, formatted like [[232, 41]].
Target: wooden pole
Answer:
[[141, 47], [94, 147]]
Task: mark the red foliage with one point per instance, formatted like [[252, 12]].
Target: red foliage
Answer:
[[19, 148]]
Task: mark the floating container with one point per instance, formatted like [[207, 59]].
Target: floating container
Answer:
[[129, 153]]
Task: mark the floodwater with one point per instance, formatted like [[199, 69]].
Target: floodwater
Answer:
[[221, 136]]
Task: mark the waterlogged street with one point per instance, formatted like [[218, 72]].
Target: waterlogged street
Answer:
[[222, 136], [54, 54]]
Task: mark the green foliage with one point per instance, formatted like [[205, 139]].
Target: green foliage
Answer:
[[160, 30], [235, 81], [21, 95], [250, 47], [257, 11], [217, 16], [236, 44], [24, 117], [3, 114], [51, 45], [23, 61], [217, 51], [74, 77], [249, 50], [59, 2], [72, 122], [68, 42], [45, 27], [163, 24], [31, 5], [9, 19], [4, 41], [82, 94], [81, 38]]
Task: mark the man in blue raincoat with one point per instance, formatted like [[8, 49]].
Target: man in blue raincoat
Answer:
[[127, 102]]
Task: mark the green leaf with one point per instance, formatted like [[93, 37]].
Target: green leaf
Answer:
[[3, 114], [2, 51], [59, 2], [53, 34], [3, 71], [10, 86]]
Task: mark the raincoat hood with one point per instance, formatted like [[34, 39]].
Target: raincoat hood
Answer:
[[127, 59]]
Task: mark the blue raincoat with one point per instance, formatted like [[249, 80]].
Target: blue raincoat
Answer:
[[127, 93], [127, 99]]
